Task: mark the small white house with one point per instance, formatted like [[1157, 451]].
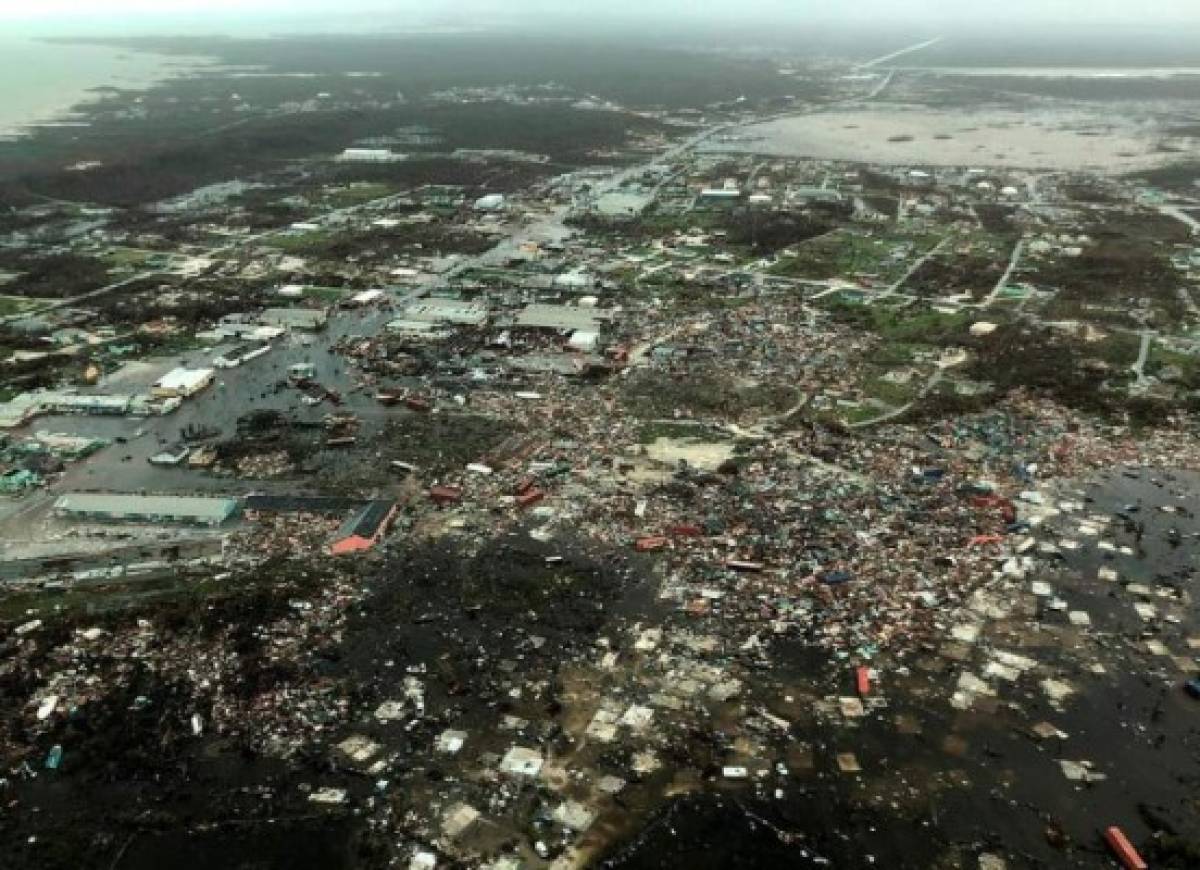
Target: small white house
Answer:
[[491, 202]]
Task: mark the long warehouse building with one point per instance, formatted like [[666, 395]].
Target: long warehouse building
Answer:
[[113, 507]]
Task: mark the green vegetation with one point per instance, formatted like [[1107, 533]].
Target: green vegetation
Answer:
[[911, 328], [10, 305], [847, 253], [301, 242], [703, 393], [651, 432], [133, 258], [357, 194], [323, 295], [1127, 269], [891, 392], [1173, 367]]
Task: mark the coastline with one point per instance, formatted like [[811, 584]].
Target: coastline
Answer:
[[49, 83]]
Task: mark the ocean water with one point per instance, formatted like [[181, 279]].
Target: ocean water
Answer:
[[41, 82]]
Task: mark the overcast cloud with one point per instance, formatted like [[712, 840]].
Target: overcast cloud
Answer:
[[350, 15]]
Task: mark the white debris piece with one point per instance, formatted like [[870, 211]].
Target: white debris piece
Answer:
[[1012, 660], [359, 748], [1057, 690], [967, 632], [450, 742], [648, 640], [457, 819], [1079, 618], [390, 711], [1158, 648], [328, 796], [603, 726], [637, 717], [646, 762], [423, 861], [847, 762], [1145, 610], [852, 708], [47, 707], [968, 682], [574, 816], [611, 784], [996, 670], [414, 691], [522, 762], [1080, 771]]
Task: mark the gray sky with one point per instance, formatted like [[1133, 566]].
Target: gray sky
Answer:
[[348, 15]]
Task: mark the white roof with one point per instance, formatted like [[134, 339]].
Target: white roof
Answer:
[[122, 505], [440, 310], [540, 316], [584, 339], [367, 296], [183, 379]]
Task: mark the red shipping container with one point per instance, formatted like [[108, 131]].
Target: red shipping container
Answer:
[[525, 485], [1123, 849], [685, 531], [862, 677], [530, 498], [985, 540], [646, 545], [445, 494], [416, 404]]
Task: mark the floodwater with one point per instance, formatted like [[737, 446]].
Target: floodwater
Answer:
[[42, 82], [943, 787], [1038, 139], [1051, 72]]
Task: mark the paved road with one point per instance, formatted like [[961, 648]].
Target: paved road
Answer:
[[1013, 262], [935, 379], [895, 286], [920, 46], [1174, 211], [76, 300], [1139, 367]]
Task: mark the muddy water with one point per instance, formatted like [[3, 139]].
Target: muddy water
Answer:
[[939, 786]]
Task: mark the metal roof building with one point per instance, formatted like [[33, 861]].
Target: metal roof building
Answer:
[[182, 382], [562, 317], [310, 319], [146, 508], [441, 310], [365, 528]]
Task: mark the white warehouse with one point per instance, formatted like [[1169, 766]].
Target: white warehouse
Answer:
[[181, 383]]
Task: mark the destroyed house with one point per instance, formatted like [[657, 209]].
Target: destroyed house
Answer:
[[365, 528]]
